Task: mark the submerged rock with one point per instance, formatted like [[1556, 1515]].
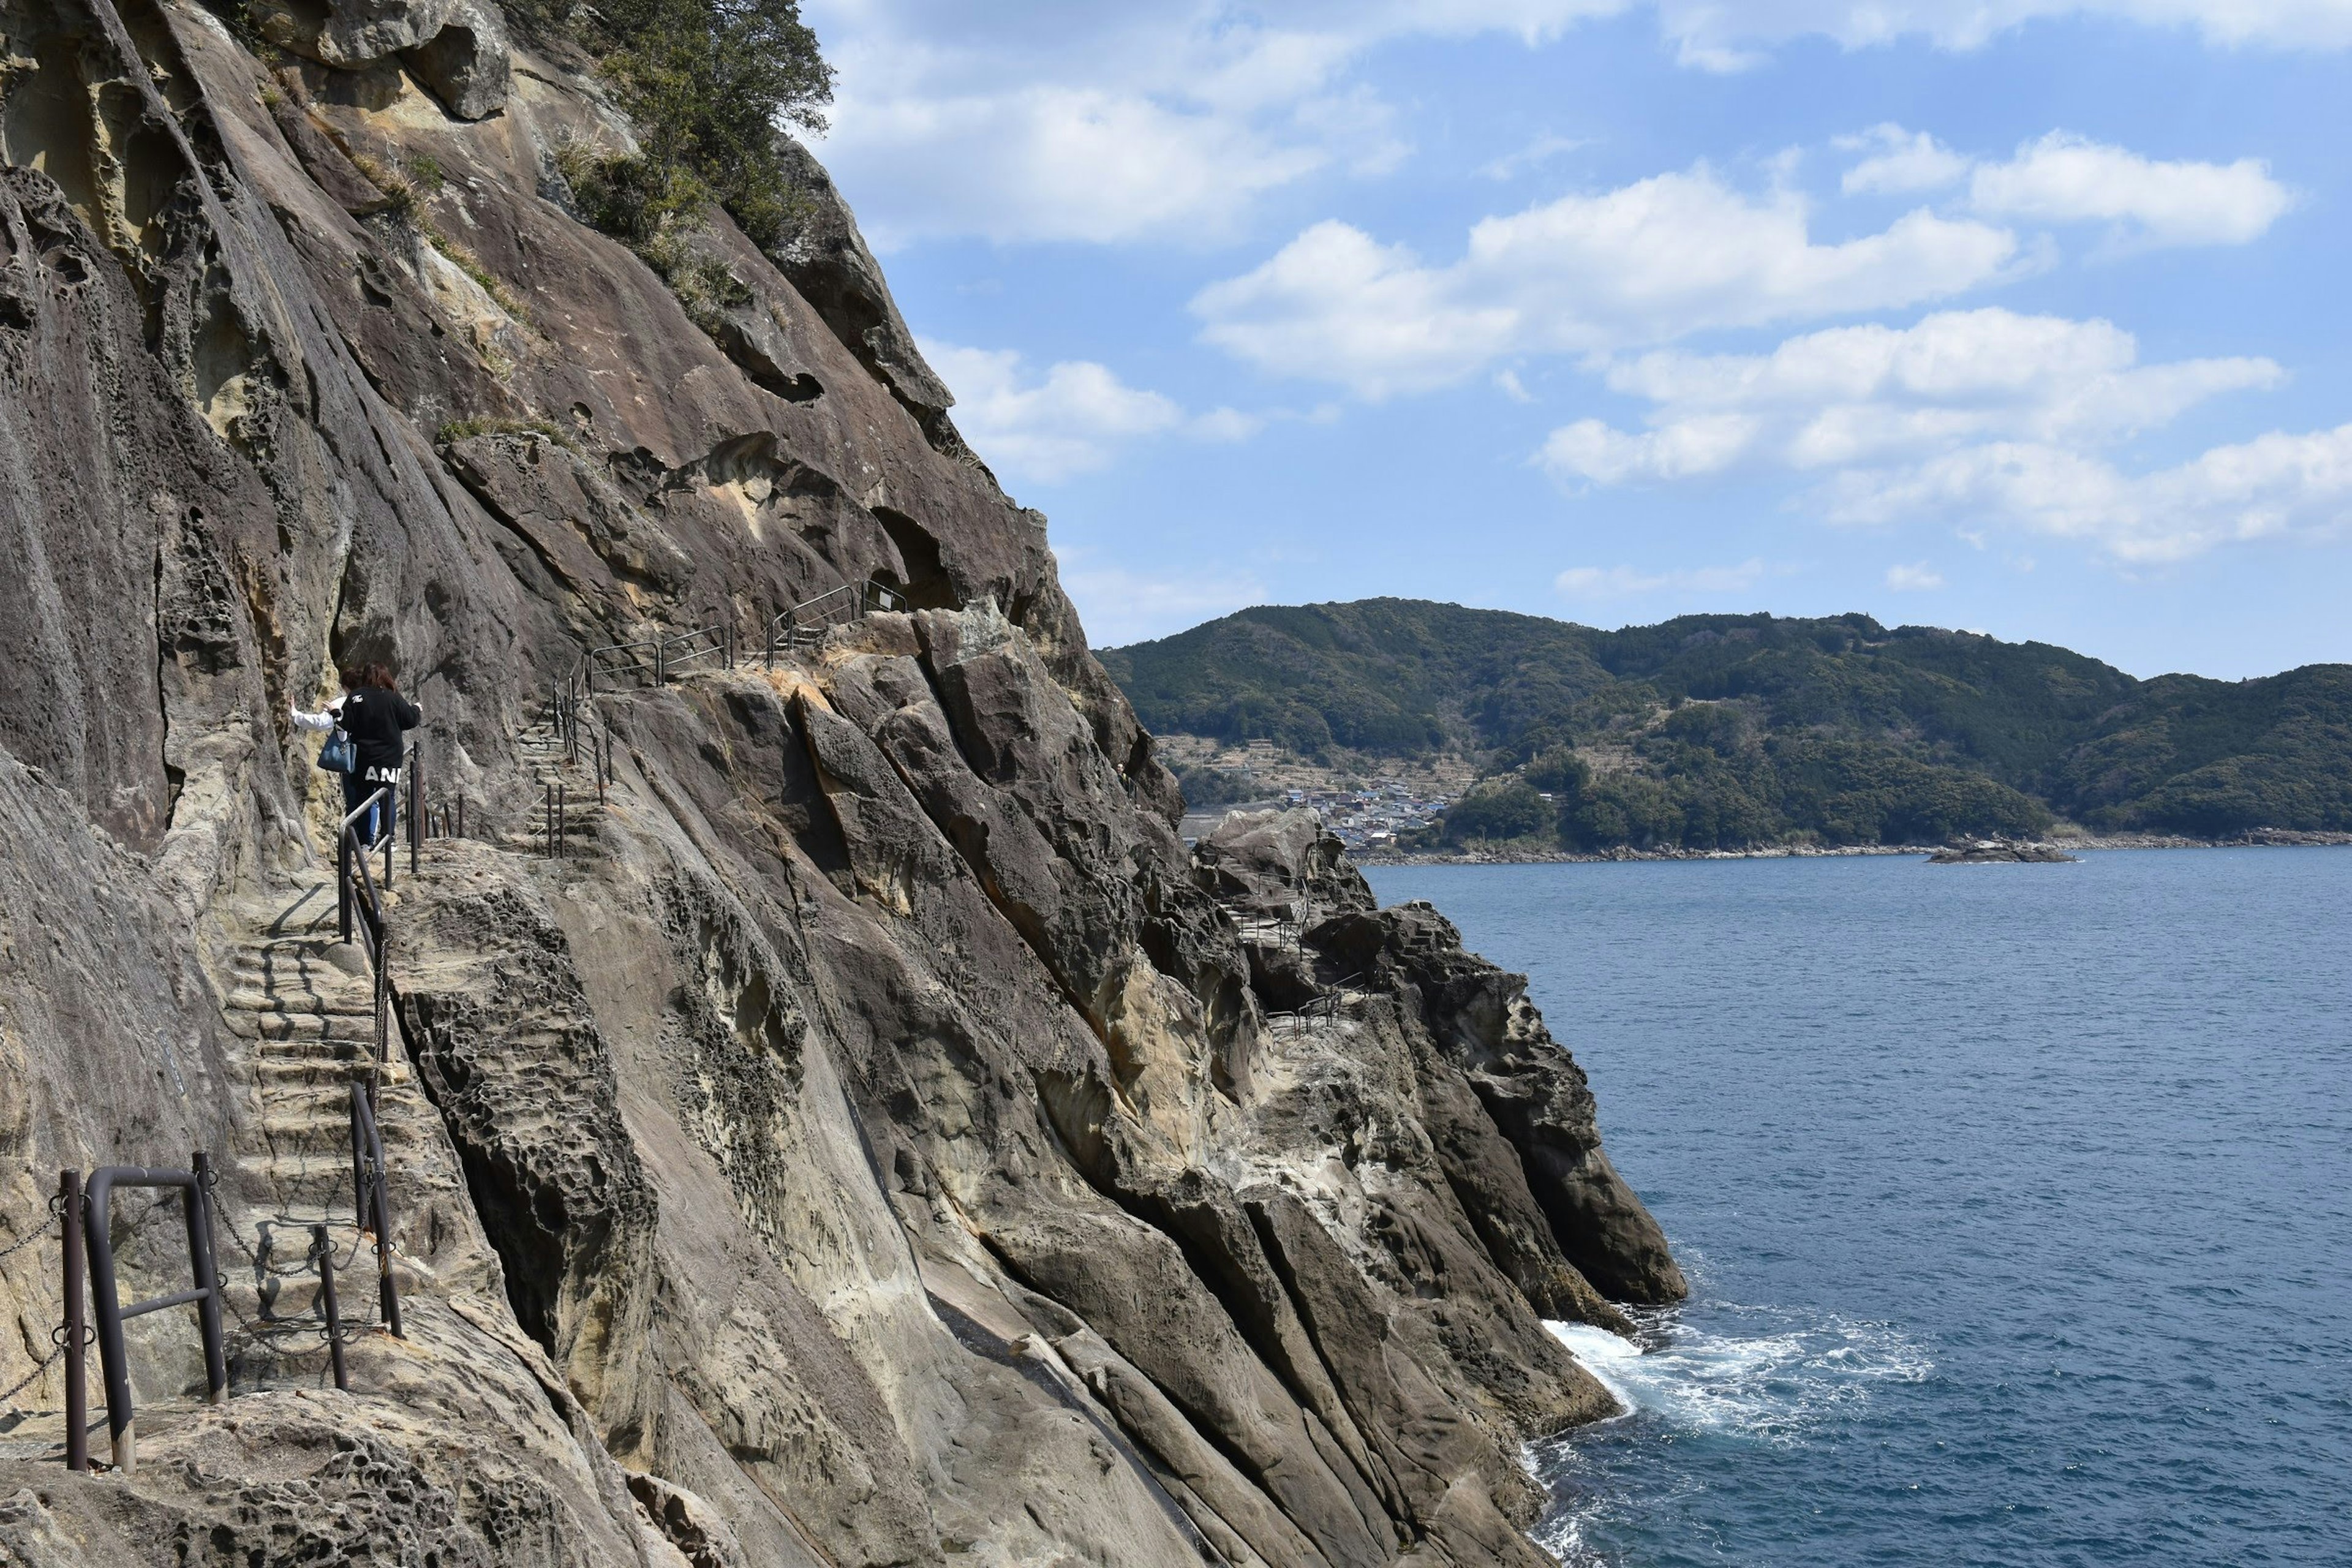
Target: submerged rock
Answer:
[[879, 1138]]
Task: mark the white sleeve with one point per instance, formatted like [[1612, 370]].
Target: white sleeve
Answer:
[[325, 719]]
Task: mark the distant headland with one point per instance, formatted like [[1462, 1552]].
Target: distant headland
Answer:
[[1449, 733]]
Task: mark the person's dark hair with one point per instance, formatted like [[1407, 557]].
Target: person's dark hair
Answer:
[[378, 676], [350, 677]]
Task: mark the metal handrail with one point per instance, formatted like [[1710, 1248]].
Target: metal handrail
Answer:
[[1324, 1004], [372, 1198], [322, 1254], [358, 892], [805, 622], [195, 1190], [657, 656]]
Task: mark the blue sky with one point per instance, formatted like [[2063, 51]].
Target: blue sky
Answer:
[[2017, 315]]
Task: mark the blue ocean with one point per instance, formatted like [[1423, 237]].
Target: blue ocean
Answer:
[[2016, 1201]]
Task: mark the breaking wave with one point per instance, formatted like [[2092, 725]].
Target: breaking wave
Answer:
[[1749, 1376]]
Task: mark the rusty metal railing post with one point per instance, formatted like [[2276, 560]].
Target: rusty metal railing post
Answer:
[[113, 1357], [416, 804], [343, 886], [563, 822], [73, 1342], [323, 1251], [206, 1267], [375, 1206]]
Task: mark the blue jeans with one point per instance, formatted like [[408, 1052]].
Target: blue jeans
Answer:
[[377, 826]]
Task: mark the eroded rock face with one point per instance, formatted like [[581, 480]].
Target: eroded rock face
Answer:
[[882, 1139], [464, 65]]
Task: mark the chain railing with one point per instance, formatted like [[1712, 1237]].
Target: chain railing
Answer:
[[94, 1312], [195, 1185]]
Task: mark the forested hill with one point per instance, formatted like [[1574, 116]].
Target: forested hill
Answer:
[[1724, 731]]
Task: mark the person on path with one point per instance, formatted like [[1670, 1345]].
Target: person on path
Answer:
[[373, 713]]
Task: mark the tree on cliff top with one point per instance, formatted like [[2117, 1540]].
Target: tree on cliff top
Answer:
[[710, 87]]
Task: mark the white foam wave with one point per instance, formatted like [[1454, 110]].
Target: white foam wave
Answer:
[[1748, 1374], [1769, 1386]]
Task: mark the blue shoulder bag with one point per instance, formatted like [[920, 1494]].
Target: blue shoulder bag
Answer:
[[339, 755]]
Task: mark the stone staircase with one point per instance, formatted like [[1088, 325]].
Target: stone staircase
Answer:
[[542, 749], [299, 1010]]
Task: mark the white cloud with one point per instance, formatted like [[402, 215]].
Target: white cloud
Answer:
[[1120, 605], [1900, 162], [1873, 394], [1599, 583], [2275, 485], [1914, 579], [1110, 123], [1976, 418], [1534, 156], [1075, 418], [1647, 263], [1716, 36], [2064, 178], [1171, 118]]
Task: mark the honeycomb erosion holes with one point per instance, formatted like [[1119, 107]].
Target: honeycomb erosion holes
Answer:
[[869, 1145]]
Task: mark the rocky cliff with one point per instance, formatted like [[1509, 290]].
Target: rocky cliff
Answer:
[[879, 1138]]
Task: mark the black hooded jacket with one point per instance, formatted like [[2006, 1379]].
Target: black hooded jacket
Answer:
[[375, 719]]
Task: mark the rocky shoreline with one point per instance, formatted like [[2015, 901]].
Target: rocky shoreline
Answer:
[[2268, 838]]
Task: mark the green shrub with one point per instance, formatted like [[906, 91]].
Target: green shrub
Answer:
[[709, 87], [1510, 808]]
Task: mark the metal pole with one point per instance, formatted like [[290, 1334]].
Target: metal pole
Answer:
[[343, 886], [77, 1372], [324, 1252], [387, 1291], [359, 1159], [416, 803], [199, 1209], [461, 816], [562, 821], [660, 643], [111, 1358]]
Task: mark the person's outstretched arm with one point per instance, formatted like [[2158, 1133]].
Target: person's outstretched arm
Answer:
[[411, 715], [326, 718]]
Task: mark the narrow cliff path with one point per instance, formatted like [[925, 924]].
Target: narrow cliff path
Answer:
[[399, 1468], [300, 1008]]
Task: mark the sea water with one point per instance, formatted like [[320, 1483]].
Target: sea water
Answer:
[[2016, 1203]]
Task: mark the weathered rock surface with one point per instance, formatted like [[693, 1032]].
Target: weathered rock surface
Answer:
[[882, 1139]]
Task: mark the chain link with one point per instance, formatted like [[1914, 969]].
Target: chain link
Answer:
[[27, 1381], [30, 1237]]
